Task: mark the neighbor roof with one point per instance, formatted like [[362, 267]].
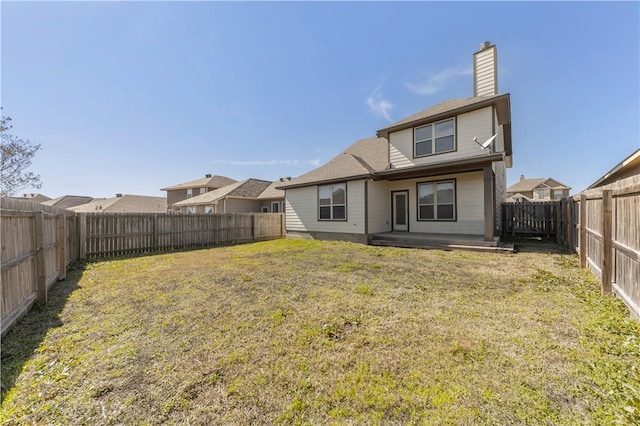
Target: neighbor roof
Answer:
[[627, 167], [67, 201], [248, 188], [526, 185], [125, 204], [205, 182], [272, 191], [359, 160], [38, 198]]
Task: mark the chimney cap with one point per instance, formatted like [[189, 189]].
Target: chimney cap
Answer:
[[208, 175], [485, 45], [119, 195]]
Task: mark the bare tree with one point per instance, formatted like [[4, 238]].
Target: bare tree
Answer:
[[16, 158]]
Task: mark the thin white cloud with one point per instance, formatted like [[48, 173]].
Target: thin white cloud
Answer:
[[436, 82], [291, 163], [378, 106]]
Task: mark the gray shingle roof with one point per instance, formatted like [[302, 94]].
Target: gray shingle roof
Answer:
[[205, 182], [525, 185], [248, 188], [272, 192], [68, 201], [360, 159], [125, 204]]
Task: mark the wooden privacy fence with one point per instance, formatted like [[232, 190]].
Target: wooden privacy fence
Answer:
[[39, 242], [531, 218], [608, 237], [117, 234]]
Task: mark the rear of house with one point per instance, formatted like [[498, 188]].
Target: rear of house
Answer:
[[440, 171]]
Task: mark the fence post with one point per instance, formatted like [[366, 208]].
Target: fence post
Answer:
[[155, 232], [41, 279], [82, 236], [283, 226], [62, 247], [583, 230], [253, 227], [607, 240]]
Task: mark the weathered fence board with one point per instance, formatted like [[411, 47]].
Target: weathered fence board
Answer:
[[609, 242], [530, 218]]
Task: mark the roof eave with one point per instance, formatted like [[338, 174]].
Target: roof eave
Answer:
[[455, 166], [455, 111], [325, 181]]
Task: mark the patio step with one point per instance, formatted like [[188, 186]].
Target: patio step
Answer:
[[485, 246]]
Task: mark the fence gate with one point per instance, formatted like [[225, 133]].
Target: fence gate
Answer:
[[530, 218]]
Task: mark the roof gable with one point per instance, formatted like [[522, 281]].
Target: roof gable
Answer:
[[359, 160], [205, 182], [248, 188]]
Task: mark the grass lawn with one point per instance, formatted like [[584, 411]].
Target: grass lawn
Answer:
[[308, 332]]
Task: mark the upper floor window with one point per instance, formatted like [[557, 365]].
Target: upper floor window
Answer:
[[275, 207], [557, 194], [189, 193], [434, 138], [203, 190], [332, 202], [541, 193], [437, 200]]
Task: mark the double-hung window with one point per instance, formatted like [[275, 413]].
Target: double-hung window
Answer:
[[437, 200], [189, 193], [435, 138], [275, 207], [332, 202]]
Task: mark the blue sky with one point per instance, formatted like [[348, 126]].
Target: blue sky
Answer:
[[131, 97]]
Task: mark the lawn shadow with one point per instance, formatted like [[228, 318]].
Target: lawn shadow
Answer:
[[537, 245], [27, 334]]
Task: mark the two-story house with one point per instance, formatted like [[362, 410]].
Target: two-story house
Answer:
[[537, 189], [186, 190], [439, 172]]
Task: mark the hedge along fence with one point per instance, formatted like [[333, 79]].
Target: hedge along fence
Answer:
[[39, 242]]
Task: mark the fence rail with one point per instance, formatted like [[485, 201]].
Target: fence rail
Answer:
[[39, 242]]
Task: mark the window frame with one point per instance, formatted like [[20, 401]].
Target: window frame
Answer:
[[203, 190], [332, 205], [277, 204], [433, 138], [264, 209], [189, 192], [435, 202]]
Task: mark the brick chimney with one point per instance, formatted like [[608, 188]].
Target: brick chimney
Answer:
[[485, 70]]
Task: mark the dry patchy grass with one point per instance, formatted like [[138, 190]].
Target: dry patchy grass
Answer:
[[307, 332]]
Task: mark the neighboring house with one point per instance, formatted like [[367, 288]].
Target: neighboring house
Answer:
[[628, 167], [272, 199], [426, 174], [124, 204], [38, 198], [238, 197], [68, 201], [194, 188], [537, 189]]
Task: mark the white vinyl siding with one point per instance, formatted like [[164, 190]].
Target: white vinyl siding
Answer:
[[469, 205], [301, 210], [478, 123], [485, 63], [379, 206]]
